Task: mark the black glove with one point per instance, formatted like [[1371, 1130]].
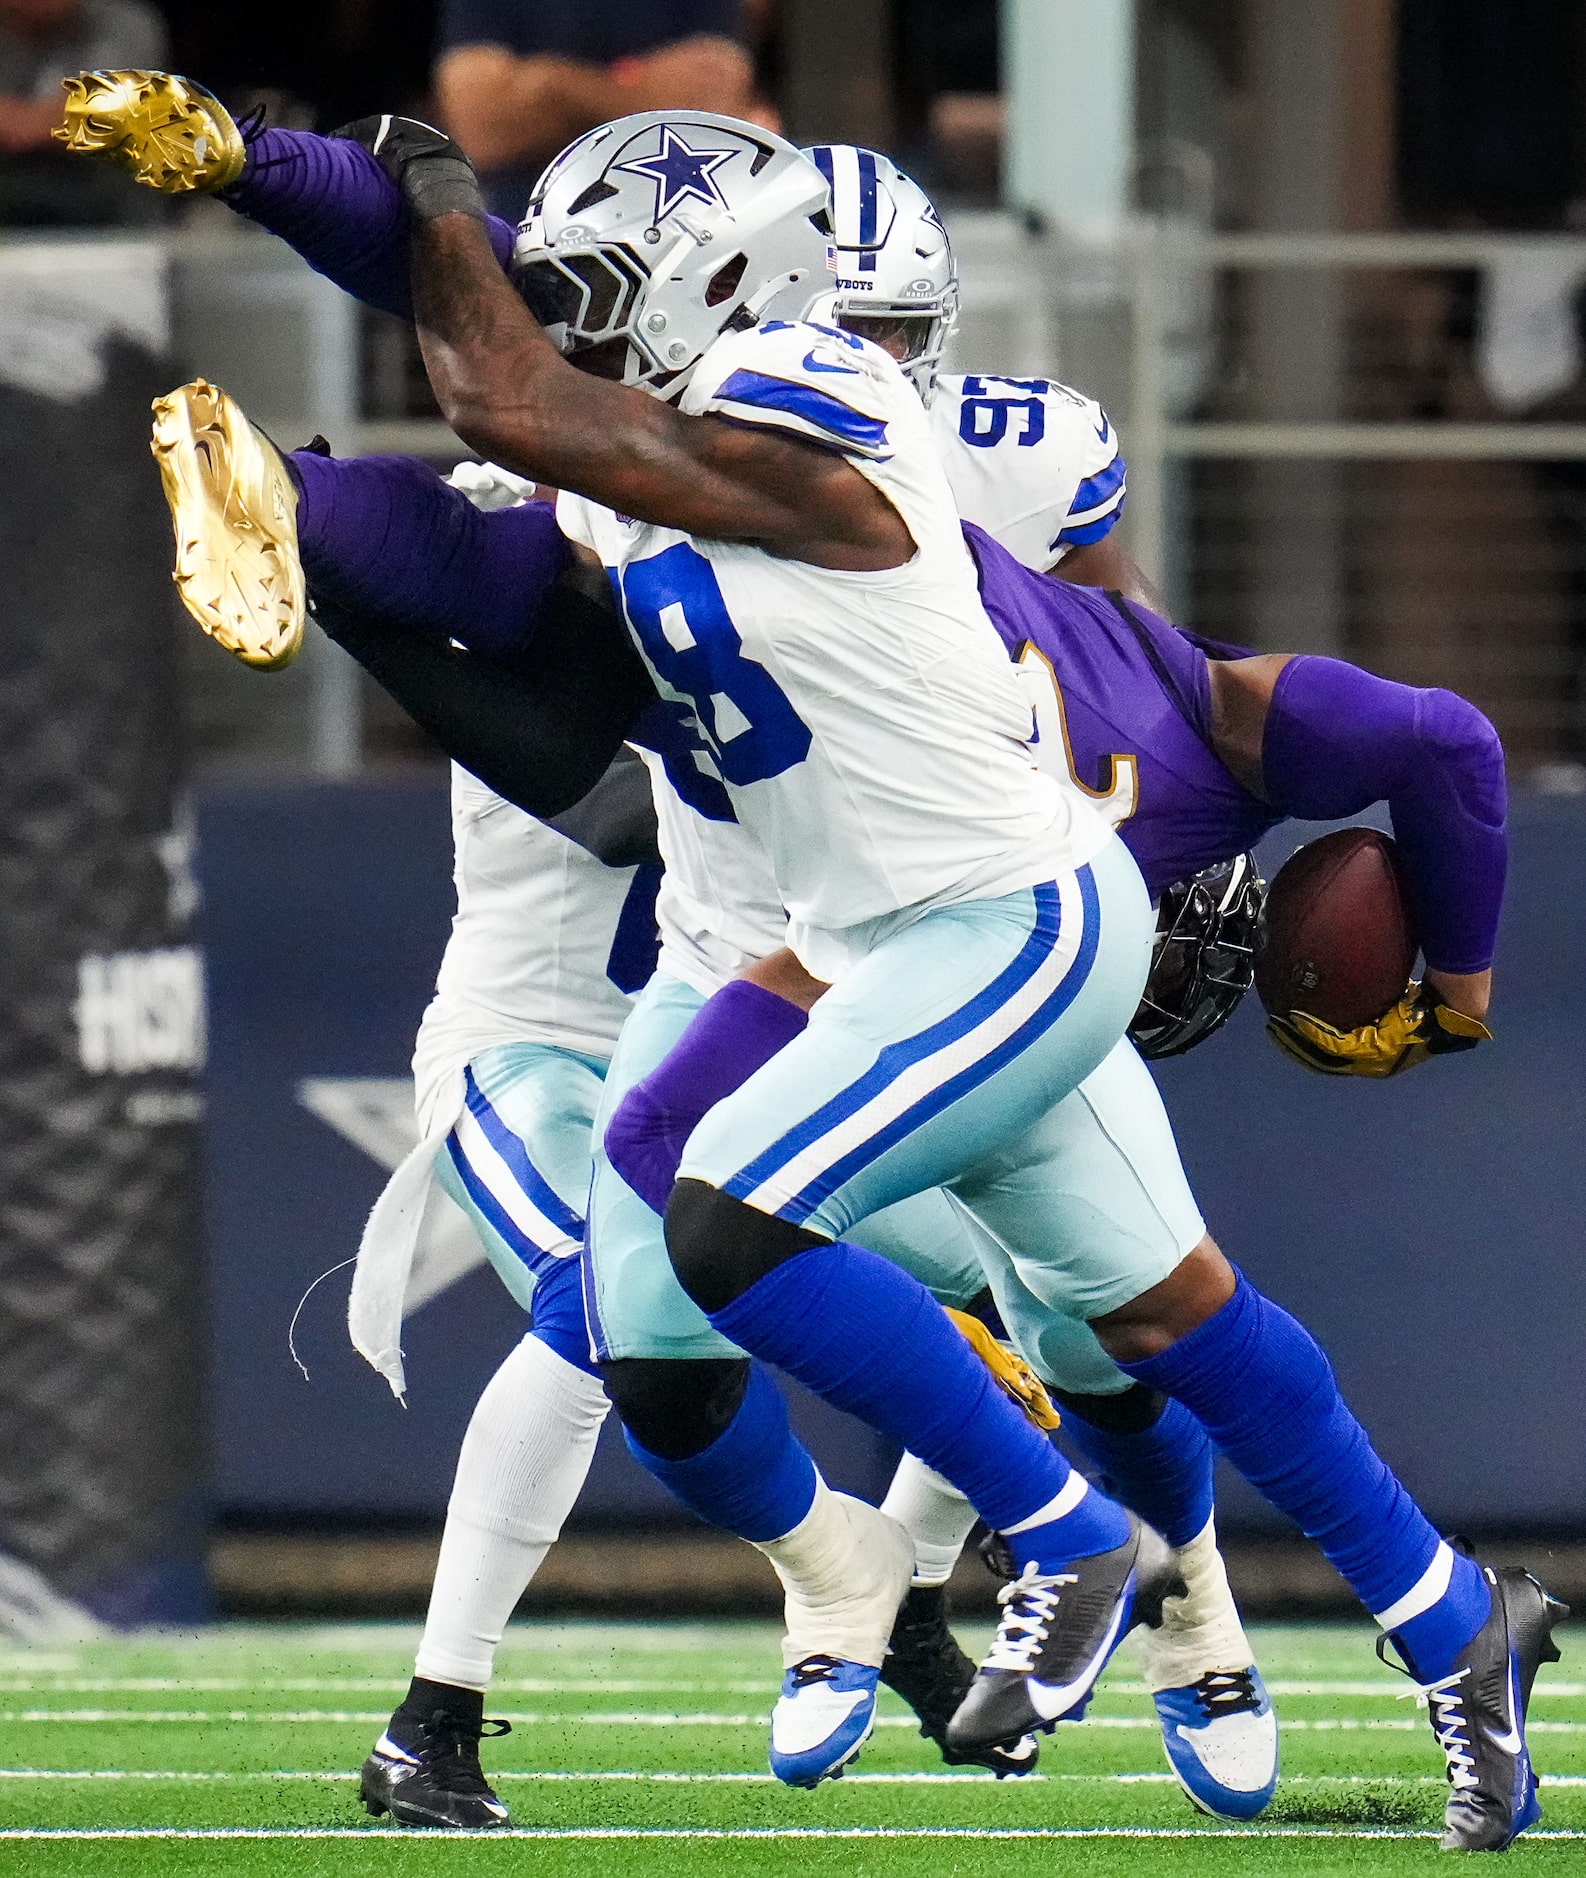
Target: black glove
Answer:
[[431, 171]]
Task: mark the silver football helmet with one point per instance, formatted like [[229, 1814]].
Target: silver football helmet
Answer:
[[652, 235], [895, 279]]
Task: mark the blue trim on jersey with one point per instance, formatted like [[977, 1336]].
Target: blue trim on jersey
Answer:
[[1095, 490], [761, 391], [896, 1058], [636, 943], [512, 1151], [1091, 531]]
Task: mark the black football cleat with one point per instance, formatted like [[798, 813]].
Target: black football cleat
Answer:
[[1058, 1629], [1478, 1714], [926, 1667], [425, 1771]]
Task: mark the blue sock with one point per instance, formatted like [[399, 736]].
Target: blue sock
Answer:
[[1163, 1473], [1260, 1385], [754, 1478], [872, 1340]]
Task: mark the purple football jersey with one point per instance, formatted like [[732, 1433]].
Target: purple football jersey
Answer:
[[1131, 687]]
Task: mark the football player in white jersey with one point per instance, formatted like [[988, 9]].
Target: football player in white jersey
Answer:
[[786, 551], [554, 932]]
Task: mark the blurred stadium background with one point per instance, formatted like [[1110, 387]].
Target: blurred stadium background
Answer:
[[1325, 262]]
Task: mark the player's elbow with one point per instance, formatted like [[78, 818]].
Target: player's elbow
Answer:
[[1460, 742]]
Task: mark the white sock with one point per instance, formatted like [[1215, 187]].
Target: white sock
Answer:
[[526, 1453], [844, 1570], [934, 1514]]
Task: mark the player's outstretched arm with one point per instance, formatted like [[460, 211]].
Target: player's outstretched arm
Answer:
[[508, 392], [510, 395]]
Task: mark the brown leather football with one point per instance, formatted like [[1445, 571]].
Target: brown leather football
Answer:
[[1338, 942]]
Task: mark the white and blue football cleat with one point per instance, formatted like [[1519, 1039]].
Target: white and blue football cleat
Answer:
[[1218, 1727], [1221, 1738], [822, 1719], [845, 1569]]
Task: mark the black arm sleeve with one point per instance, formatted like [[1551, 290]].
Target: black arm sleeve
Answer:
[[540, 731], [615, 822]]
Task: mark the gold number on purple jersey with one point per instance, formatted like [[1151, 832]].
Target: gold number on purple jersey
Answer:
[[1118, 795]]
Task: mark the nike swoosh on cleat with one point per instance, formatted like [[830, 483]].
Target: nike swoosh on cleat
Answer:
[[1060, 1699], [1510, 1741], [812, 364]]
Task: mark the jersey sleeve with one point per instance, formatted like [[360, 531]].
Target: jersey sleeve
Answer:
[[1096, 463], [810, 381], [572, 517], [1034, 463]]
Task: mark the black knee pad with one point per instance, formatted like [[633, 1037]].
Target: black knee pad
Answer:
[[719, 1247], [675, 1409], [1131, 1412]]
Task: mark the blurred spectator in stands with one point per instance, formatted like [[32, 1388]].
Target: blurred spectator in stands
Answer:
[[517, 80], [42, 42]]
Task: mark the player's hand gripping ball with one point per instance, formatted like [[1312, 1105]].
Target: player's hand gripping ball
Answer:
[[1337, 953], [1417, 1027], [425, 164], [165, 131]]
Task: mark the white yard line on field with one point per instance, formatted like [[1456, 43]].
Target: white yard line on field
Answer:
[[742, 1832], [543, 1685], [618, 1718], [257, 1776]]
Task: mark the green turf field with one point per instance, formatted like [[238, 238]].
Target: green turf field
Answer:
[[640, 1749]]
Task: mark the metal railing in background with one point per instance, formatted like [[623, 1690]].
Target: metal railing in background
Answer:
[[1335, 442]]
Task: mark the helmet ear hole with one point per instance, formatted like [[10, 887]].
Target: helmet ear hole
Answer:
[[726, 280]]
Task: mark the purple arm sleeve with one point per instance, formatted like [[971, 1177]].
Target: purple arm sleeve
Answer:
[[735, 1033], [329, 199], [1337, 740], [387, 537]]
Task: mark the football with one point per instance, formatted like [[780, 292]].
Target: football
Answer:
[[1338, 941]]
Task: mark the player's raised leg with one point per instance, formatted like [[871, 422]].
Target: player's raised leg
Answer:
[[517, 1161]]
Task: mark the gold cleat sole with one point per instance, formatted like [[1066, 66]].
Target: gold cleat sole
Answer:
[[165, 131], [234, 508]]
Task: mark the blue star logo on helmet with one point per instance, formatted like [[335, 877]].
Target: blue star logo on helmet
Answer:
[[680, 172]]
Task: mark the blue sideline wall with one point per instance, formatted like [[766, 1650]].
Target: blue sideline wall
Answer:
[[1430, 1230]]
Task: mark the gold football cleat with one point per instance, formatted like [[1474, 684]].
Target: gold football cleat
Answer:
[[164, 131], [1012, 1375], [235, 511]]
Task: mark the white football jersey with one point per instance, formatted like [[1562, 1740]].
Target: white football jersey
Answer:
[[868, 728], [533, 945], [718, 909], [1034, 463]]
